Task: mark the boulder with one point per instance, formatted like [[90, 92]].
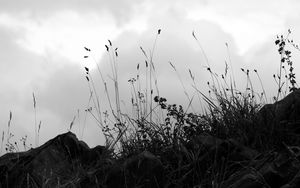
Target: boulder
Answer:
[[245, 179], [294, 183], [287, 109], [59, 161], [279, 122], [217, 148], [143, 170], [115, 177], [274, 169]]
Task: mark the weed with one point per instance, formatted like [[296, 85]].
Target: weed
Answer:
[[170, 131], [230, 113]]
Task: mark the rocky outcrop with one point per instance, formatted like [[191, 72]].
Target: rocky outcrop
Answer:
[[276, 169], [143, 170], [287, 109], [218, 148], [59, 161], [281, 120], [67, 162]]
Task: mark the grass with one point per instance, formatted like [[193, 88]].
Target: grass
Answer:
[[167, 130]]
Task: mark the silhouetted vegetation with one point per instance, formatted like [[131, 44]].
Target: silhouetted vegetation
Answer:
[[199, 149]]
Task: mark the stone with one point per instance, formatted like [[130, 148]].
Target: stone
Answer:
[[246, 179], [58, 161], [142, 170], [218, 148], [294, 183], [274, 169], [145, 169], [287, 109], [280, 122]]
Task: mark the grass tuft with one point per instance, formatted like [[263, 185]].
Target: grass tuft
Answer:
[[171, 131]]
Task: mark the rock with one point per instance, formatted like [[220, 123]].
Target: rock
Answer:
[[245, 179], [279, 122], [274, 169], [115, 177], [58, 161], [144, 170], [218, 148], [287, 109], [218, 155], [66, 161], [294, 183]]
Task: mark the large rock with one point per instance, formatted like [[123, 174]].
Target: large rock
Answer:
[[67, 162], [279, 122], [287, 109], [274, 169], [218, 155], [294, 183], [218, 148], [59, 161], [144, 170]]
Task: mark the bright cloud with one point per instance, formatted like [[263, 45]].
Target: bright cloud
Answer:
[[63, 34], [250, 23]]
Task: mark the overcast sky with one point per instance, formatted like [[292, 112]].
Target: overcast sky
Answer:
[[42, 48]]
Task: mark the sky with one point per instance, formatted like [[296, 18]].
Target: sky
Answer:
[[42, 52]]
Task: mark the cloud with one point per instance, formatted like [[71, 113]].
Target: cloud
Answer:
[[182, 51], [39, 51], [64, 89], [18, 70], [246, 21], [121, 10], [64, 38], [42, 52], [65, 93]]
